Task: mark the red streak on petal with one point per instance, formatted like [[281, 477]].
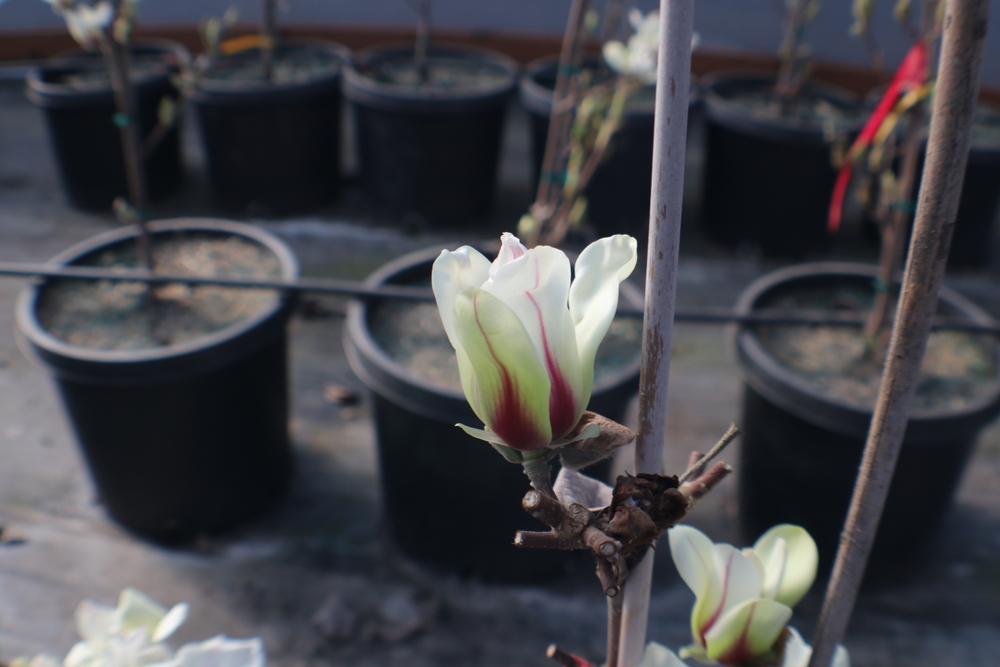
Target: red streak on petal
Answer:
[[740, 653], [562, 403], [707, 625], [511, 421]]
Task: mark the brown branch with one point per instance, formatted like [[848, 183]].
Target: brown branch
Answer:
[[694, 469], [532, 539]]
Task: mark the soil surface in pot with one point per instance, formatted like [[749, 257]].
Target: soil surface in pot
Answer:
[[141, 66], [112, 315], [412, 334], [291, 65], [805, 108], [959, 368], [443, 72]]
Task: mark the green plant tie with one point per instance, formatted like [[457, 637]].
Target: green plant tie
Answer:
[[553, 177], [909, 207], [122, 119], [569, 69], [880, 285]]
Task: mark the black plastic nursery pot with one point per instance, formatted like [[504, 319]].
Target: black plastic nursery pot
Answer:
[[273, 147], [451, 500], [769, 178], [972, 240], [185, 439], [618, 192], [802, 448], [428, 153], [80, 111]]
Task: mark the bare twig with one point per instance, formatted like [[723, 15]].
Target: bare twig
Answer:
[[127, 118], [964, 33], [695, 468]]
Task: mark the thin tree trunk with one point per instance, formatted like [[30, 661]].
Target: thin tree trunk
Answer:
[[673, 81], [951, 123]]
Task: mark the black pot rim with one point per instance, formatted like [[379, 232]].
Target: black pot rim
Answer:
[[61, 95], [393, 97], [537, 98], [391, 380], [160, 364], [792, 393], [248, 94], [724, 112]]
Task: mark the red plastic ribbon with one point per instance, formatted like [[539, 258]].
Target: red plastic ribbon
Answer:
[[912, 73]]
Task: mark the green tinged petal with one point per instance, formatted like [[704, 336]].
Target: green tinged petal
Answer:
[[657, 655], [508, 382], [453, 272], [746, 631], [138, 610], [790, 577], [593, 296]]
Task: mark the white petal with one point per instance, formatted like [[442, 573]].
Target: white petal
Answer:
[[747, 631], [657, 655], [511, 248], [796, 652], [593, 296], [96, 621], [801, 559], [453, 272], [616, 56], [692, 552], [840, 657], [169, 623], [222, 652], [136, 610], [81, 654], [536, 287]]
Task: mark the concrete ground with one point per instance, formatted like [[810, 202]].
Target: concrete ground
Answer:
[[324, 548]]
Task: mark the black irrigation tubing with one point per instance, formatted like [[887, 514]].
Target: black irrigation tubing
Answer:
[[705, 315]]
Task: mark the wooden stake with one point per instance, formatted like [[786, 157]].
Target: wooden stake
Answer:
[[951, 122], [673, 81]]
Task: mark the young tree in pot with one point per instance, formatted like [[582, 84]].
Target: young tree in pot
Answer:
[[889, 153], [177, 394], [429, 121], [269, 112], [770, 150], [810, 391], [101, 109]]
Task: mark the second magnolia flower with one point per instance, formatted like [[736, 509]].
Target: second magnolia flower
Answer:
[[526, 335]]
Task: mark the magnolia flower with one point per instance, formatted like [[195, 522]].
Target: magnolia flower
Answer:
[[129, 635], [86, 23], [526, 337], [743, 599], [638, 57], [220, 652]]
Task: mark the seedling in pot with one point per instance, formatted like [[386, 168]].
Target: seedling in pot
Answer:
[[793, 54], [422, 41], [892, 140], [109, 28], [588, 107]]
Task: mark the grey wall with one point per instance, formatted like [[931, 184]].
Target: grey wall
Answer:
[[737, 24]]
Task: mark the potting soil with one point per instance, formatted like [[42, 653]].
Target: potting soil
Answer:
[[291, 65], [805, 109], [412, 334], [444, 72], [959, 367], [114, 315], [140, 67]]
